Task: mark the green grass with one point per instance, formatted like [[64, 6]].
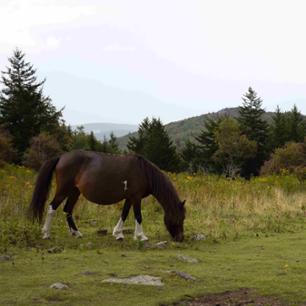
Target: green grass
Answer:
[[274, 265], [256, 234]]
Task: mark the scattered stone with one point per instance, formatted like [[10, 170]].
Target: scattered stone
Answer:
[[5, 257], [89, 245], [88, 273], [187, 259], [59, 286], [55, 250], [161, 244], [198, 237], [146, 280], [102, 232], [93, 222], [183, 275], [128, 231]]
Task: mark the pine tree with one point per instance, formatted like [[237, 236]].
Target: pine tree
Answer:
[[207, 145], [154, 143], [92, 142], [255, 128], [24, 110], [113, 144], [279, 129], [296, 126], [190, 155]]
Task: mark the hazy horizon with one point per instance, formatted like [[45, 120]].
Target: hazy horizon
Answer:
[[118, 61]]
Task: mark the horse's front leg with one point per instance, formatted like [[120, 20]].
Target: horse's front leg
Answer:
[[118, 229], [139, 234]]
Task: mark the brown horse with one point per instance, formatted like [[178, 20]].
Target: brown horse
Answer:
[[106, 179]]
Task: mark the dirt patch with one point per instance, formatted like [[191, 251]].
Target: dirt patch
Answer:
[[240, 297]]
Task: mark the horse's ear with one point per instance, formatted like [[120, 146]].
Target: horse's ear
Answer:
[[183, 203]]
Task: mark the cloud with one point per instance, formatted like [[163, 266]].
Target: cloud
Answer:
[[117, 47], [23, 22]]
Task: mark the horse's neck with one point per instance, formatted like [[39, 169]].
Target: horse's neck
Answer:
[[168, 199]]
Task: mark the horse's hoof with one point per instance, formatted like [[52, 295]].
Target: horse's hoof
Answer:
[[119, 237], [77, 234], [141, 238], [46, 236]]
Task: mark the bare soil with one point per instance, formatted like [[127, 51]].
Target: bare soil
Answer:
[[241, 297]]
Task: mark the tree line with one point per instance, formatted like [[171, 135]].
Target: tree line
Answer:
[[33, 130]]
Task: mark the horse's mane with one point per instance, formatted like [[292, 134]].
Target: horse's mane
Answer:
[[160, 186]]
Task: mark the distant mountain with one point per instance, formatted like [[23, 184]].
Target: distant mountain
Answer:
[[102, 130], [182, 130]]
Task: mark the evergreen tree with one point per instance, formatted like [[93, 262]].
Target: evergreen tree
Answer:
[[92, 142], [296, 125], [255, 128], [190, 155], [279, 129], [207, 145], [113, 144], [110, 145], [154, 143], [24, 110]]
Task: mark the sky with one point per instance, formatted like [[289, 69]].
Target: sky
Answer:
[[120, 61]]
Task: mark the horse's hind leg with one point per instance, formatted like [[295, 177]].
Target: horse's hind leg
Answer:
[[68, 208], [118, 229], [58, 199], [139, 234]]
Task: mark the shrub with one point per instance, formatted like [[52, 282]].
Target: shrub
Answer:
[[7, 153], [43, 147], [287, 159]]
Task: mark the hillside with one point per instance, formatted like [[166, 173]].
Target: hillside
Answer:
[[182, 130], [102, 130]]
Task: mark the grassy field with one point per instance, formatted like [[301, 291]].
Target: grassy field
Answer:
[[255, 237]]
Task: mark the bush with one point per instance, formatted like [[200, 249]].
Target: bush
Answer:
[[43, 147], [289, 159], [7, 153]]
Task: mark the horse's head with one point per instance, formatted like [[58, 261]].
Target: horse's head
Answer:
[[175, 223]]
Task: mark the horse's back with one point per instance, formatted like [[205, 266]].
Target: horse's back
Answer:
[[103, 178]]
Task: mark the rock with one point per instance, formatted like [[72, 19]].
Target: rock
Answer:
[[102, 232], [187, 259], [93, 223], [136, 280], [89, 245], [55, 250], [183, 275], [5, 257], [59, 286], [161, 244], [198, 237]]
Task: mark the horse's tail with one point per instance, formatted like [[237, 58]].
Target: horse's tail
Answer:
[[42, 187]]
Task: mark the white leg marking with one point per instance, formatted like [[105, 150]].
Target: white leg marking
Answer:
[[117, 232], [139, 234], [75, 233], [47, 225]]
